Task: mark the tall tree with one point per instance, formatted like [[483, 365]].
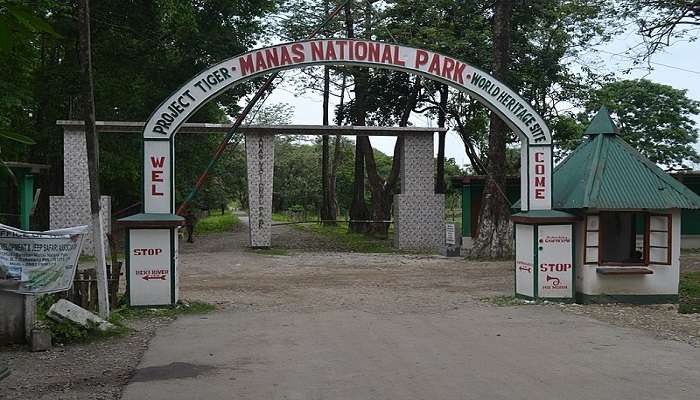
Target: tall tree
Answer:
[[328, 211], [661, 23], [93, 150], [656, 119], [358, 209], [495, 230]]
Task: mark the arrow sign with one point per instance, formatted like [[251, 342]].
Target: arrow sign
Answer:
[[152, 277]]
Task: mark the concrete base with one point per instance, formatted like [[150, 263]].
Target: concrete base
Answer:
[[452, 251], [65, 310], [641, 299], [40, 340], [16, 315], [467, 242]]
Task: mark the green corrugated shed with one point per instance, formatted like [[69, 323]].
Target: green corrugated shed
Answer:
[[607, 173]]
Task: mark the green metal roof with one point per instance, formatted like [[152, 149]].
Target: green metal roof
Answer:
[[545, 214], [152, 217], [602, 124], [606, 172]]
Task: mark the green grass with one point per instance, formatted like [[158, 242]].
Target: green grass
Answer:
[[505, 301], [182, 308], [346, 241], [689, 293], [355, 242], [66, 332], [216, 223]]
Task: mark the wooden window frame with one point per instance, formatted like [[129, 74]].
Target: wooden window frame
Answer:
[[647, 240], [585, 239], [669, 241]]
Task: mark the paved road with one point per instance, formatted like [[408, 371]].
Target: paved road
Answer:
[[316, 325], [474, 352]]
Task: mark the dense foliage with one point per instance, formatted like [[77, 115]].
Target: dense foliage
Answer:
[[143, 50]]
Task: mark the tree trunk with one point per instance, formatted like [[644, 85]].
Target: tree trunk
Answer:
[[326, 208], [495, 232], [440, 179], [383, 190], [328, 213], [337, 153], [86, 87], [358, 208]]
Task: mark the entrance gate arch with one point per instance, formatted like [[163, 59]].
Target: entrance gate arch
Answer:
[[162, 125], [156, 227]]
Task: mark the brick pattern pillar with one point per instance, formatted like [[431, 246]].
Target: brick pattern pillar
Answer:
[[73, 208], [418, 211], [260, 158]]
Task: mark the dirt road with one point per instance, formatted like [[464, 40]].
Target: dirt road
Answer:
[[327, 325]]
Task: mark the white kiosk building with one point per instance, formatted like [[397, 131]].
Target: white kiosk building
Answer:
[[628, 232]]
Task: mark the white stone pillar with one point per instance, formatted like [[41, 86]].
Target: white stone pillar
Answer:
[[73, 208], [260, 157], [419, 212]]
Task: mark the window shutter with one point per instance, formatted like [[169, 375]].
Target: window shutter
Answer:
[[660, 239], [591, 239]]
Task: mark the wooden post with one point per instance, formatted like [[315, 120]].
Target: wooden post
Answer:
[[91, 141]]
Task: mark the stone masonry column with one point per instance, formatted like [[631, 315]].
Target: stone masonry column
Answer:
[[419, 212], [260, 158], [73, 208]]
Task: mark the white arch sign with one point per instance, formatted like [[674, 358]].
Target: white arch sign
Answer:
[[536, 154]]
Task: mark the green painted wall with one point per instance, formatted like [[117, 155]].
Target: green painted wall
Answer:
[[471, 198], [690, 219], [466, 211]]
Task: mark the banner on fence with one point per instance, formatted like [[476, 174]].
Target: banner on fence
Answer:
[[39, 262]]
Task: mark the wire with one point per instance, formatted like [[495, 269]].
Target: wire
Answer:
[[379, 19], [651, 62]]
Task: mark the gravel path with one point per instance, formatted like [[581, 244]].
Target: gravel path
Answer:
[[310, 279], [91, 371]]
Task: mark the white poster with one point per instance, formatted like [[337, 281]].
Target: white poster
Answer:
[[156, 170], [39, 262], [149, 267], [524, 260], [555, 275]]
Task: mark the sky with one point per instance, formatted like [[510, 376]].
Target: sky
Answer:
[[676, 66]]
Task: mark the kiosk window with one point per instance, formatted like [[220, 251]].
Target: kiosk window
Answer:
[[628, 238], [623, 238]]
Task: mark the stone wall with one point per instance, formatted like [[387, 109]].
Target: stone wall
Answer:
[[260, 158], [73, 208], [419, 212]]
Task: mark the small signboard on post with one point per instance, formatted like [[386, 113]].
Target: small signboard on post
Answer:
[[452, 244], [450, 237]]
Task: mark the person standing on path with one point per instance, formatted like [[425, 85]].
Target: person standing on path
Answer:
[[190, 221]]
